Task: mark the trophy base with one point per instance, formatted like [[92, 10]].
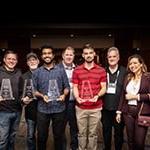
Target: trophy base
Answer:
[[50, 99], [7, 99], [87, 100]]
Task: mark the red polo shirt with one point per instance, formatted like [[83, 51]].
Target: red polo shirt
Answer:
[[94, 76]]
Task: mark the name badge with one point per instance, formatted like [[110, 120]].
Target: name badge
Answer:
[[111, 89]]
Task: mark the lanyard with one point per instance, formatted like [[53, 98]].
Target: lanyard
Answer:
[[116, 77]]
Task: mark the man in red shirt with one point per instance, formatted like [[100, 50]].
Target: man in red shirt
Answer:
[[89, 85]]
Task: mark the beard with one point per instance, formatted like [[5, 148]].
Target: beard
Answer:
[[48, 62], [33, 67], [89, 60]]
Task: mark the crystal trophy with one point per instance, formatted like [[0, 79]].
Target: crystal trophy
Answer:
[[86, 90], [53, 91], [28, 89], [6, 90]]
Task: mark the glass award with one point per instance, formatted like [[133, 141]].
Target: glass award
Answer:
[[6, 90], [53, 91], [86, 90], [28, 89]]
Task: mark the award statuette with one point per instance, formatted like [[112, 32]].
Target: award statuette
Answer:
[[86, 90], [53, 91], [6, 90], [28, 89]]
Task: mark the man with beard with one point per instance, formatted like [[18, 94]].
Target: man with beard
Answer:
[[89, 85], [51, 87], [30, 101]]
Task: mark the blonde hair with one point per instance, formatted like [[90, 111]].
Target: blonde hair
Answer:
[[68, 48]]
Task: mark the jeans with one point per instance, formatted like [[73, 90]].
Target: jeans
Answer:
[[9, 123], [31, 130]]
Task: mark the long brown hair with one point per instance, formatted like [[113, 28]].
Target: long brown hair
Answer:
[[141, 61]]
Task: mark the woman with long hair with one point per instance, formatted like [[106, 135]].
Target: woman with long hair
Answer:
[[136, 91]]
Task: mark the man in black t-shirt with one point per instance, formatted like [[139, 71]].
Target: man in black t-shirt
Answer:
[[115, 78], [30, 101], [10, 104]]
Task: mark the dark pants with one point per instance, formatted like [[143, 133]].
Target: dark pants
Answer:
[[70, 117], [109, 121], [43, 122], [136, 134], [31, 130]]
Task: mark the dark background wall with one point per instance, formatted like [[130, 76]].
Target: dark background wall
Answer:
[[131, 34]]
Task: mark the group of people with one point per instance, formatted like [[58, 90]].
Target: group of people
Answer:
[[82, 96]]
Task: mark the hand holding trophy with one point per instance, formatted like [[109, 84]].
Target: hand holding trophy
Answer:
[[1, 98], [45, 98], [26, 100]]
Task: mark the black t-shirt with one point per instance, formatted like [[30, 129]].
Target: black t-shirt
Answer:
[[111, 101]]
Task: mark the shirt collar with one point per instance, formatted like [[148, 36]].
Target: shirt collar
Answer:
[[94, 66], [68, 67], [53, 67]]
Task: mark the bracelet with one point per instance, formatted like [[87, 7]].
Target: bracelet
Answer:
[[118, 112]]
